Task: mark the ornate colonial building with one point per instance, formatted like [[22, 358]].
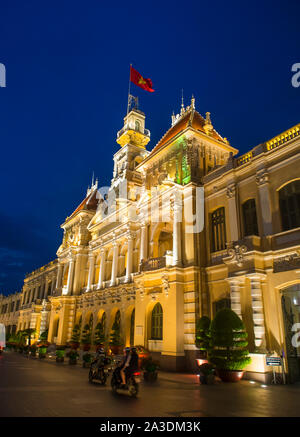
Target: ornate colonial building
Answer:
[[139, 253], [10, 311]]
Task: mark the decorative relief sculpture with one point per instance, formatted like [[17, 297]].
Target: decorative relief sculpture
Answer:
[[288, 262], [236, 254]]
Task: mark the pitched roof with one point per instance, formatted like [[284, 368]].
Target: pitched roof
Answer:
[[189, 119], [89, 203]]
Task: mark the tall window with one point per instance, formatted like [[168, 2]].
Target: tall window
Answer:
[[157, 322], [289, 204], [250, 218], [137, 126], [218, 230]]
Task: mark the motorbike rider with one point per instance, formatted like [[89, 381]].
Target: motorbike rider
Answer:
[[100, 359], [130, 364], [124, 365]]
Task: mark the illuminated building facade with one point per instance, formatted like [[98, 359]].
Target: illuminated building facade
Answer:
[[10, 311], [140, 263]]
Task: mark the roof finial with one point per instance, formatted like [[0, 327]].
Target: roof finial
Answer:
[[193, 102], [208, 127], [173, 118], [182, 104], [93, 178]]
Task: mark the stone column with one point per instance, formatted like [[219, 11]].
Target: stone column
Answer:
[[91, 272], [129, 257], [177, 216], [144, 242], [257, 310], [102, 268], [235, 295], [44, 318], [59, 277], [262, 180], [70, 276], [232, 212], [114, 268], [45, 289]]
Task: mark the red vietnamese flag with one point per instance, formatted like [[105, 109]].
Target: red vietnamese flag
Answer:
[[139, 80]]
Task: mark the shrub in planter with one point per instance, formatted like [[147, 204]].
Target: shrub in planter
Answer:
[[75, 334], [42, 351], [115, 341], [43, 346], [203, 335], [150, 368], [86, 338], [72, 355], [60, 354], [229, 343], [86, 360]]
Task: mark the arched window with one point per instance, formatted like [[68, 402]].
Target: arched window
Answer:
[[137, 126], [157, 322], [289, 204], [250, 218], [132, 322], [218, 230]]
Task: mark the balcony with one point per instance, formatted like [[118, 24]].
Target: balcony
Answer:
[[153, 264], [145, 132]]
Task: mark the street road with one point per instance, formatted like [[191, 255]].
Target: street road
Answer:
[[33, 387]]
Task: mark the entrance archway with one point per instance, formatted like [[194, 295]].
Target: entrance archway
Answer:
[[290, 303]]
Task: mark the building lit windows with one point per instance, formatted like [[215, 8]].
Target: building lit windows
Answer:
[[157, 322], [289, 204], [250, 218], [218, 230]]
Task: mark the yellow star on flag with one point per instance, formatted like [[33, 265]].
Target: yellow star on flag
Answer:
[[142, 81]]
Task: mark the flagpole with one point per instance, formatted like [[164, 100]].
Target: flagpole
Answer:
[[129, 89]]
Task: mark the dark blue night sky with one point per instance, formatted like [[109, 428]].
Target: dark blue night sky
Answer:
[[67, 68]]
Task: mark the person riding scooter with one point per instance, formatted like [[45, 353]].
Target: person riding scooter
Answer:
[[98, 369], [130, 365], [124, 365]]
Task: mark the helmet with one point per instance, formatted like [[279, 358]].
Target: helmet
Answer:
[[101, 350], [127, 349]]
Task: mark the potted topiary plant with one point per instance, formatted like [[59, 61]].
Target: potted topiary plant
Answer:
[[229, 345], [74, 343], [115, 342], [72, 355], [60, 354], [86, 338], [150, 368], [86, 359], [203, 336], [99, 336]]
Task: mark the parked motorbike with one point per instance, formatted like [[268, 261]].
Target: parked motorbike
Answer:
[[100, 373], [132, 382]]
